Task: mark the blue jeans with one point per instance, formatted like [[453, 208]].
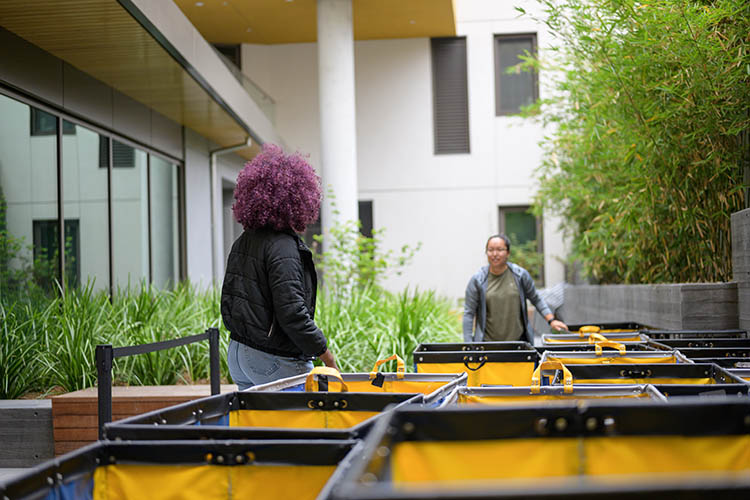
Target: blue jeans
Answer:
[[249, 367]]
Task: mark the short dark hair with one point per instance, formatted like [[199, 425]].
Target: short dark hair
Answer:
[[502, 237]]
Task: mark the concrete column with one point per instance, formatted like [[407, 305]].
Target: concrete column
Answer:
[[338, 134]]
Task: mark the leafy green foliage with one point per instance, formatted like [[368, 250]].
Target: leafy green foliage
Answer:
[[49, 342], [645, 161], [352, 259], [527, 255], [371, 324]]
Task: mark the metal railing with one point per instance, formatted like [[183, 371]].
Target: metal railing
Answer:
[[264, 101], [106, 354]]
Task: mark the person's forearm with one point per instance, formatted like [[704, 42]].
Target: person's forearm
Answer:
[[328, 359]]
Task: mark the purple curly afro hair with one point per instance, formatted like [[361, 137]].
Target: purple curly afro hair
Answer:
[[277, 191]]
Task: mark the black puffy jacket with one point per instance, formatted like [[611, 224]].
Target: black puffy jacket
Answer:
[[269, 292]]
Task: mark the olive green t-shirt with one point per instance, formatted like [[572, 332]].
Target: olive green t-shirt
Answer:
[[503, 313]]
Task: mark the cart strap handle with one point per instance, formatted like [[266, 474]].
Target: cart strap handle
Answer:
[[588, 329], [311, 383], [400, 367], [597, 337], [608, 343], [536, 377], [470, 359]]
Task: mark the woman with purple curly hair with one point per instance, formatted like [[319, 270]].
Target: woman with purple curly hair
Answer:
[[269, 292]]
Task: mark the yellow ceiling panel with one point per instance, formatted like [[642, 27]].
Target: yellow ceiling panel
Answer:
[[295, 21], [103, 40]]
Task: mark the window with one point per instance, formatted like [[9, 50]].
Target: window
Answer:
[[519, 88], [123, 156], [85, 200], [37, 186], [130, 223], [43, 123], [46, 250], [365, 218], [525, 233], [450, 95], [365, 228], [164, 223]]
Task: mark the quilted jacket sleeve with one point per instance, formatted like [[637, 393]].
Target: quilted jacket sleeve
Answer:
[[286, 282]]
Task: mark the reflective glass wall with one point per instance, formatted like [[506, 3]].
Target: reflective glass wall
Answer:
[[120, 207]]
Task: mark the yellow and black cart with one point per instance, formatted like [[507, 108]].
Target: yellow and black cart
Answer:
[[625, 338], [613, 353], [189, 470], [524, 396], [536, 393], [701, 343], [608, 449], [263, 415], [433, 386], [741, 353], [493, 363], [606, 327], [657, 373], [655, 334]]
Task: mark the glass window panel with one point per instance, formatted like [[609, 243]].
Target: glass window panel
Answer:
[[519, 225], [85, 209], [164, 223], [130, 220], [28, 194], [517, 88]]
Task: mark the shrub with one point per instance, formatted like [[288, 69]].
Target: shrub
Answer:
[[645, 159]]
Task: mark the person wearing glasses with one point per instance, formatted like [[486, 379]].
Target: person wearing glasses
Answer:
[[495, 302]]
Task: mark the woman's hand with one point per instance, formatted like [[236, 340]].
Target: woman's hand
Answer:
[[328, 359], [556, 324]]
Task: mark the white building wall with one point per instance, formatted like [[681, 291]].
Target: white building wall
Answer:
[[449, 203], [197, 206]]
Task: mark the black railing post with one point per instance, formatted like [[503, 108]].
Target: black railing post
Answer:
[[104, 357], [213, 347]]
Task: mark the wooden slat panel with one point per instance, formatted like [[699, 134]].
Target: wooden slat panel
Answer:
[[75, 417], [64, 447], [75, 408]]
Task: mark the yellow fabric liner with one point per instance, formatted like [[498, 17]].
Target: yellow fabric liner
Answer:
[[638, 381], [614, 359], [396, 386], [420, 464], [517, 374], [209, 482], [665, 454], [515, 399], [415, 461], [299, 419], [553, 339]]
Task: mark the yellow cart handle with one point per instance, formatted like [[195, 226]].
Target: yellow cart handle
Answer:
[[536, 377], [400, 367], [597, 337], [588, 329], [608, 343], [311, 383]]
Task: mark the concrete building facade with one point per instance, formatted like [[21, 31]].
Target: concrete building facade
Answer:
[[139, 107]]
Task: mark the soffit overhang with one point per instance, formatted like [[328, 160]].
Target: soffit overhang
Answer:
[[295, 21], [150, 52]]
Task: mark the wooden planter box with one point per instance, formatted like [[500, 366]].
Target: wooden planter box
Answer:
[[75, 417]]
